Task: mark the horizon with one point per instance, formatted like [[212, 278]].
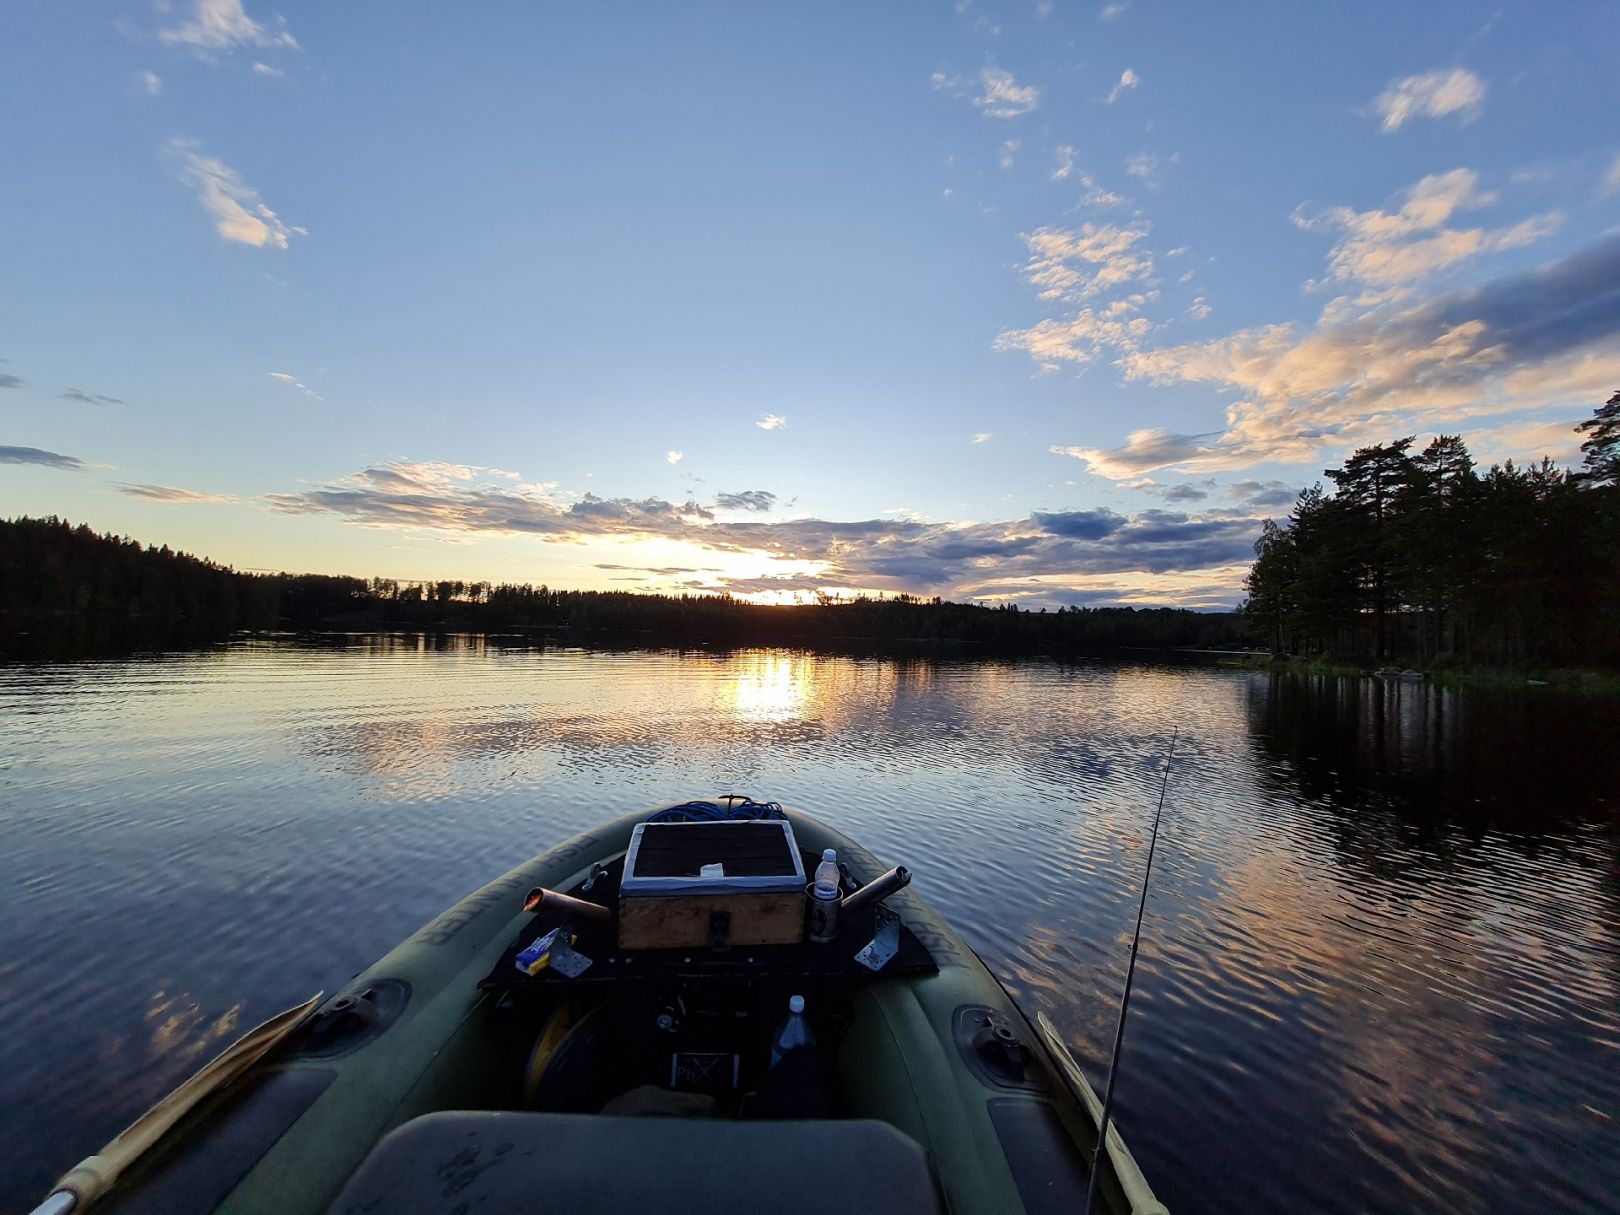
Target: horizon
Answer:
[[1030, 303]]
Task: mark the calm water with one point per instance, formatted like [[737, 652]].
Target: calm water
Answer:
[[1381, 966]]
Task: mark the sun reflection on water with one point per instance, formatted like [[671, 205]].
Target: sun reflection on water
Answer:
[[771, 688]]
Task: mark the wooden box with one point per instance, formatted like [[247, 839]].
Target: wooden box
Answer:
[[707, 885]]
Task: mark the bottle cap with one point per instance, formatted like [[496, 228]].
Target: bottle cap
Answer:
[[796, 1004], [831, 854]]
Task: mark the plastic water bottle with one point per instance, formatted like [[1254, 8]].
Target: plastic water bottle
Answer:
[[793, 1033], [824, 899], [827, 875]]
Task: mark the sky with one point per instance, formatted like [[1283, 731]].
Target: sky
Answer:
[[1035, 302]]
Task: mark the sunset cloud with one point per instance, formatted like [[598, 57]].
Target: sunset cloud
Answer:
[[36, 455], [1128, 80], [168, 493], [292, 381], [223, 25], [90, 398], [1398, 247], [771, 421], [238, 213], [1075, 263], [1431, 95], [1004, 97], [899, 553]]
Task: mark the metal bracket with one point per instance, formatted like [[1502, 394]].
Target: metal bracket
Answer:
[[568, 961], [720, 931], [885, 942]]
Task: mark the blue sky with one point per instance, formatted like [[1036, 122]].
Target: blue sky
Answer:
[[1037, 301]]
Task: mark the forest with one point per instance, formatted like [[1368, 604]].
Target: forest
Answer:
[[70, 585], [1417, 557]]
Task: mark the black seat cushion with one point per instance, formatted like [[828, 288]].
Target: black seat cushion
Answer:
[[526, 1164]]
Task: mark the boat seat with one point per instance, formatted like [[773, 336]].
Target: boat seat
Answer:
[[540, 1164]]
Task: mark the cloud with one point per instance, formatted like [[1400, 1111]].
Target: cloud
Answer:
[[1611, 179], [1110, 11], [1387, 249], [981, 437], [1262, 493], [1082, 337], [1065, 159], [772, 421], [1143, 451], [168, 493], [760, 500], [1199, 309], [1009, 149], [1526, 442], [1431, 95], [237, 212], [288, 378], [222, 25], [1185, 493], [264, 69], [1523, 341], [1076, 263], [674, 457], [1148, 166], [896, 554], [1128, 80], [1003, 97], [91, 398], [7, 380], [149, 83], [35, 455]]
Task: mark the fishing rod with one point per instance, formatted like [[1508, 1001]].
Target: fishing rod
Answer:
[[1101, 1154]]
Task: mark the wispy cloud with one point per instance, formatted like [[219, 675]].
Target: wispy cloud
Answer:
[[1065, 165], [168, 493], [1004, 97], [90, 398], [149, 83], [223, 25], [1128, 80], [237, 211], [1076, 263], [1110, 11], [983, 436], [264, 69], [1009, 149], [757, 500], [1611, 179], [674, 457], [1199, 309], [771, 421], [1395, 248], [1431, 95], [1081, 338], [7, 380], [292, 381], [36, 455]]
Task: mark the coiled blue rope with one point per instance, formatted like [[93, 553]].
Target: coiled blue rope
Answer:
[[739, 809]]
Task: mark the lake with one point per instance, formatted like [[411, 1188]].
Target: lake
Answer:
[[1380, 968]]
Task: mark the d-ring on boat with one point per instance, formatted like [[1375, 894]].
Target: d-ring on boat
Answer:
[[615, 1026]]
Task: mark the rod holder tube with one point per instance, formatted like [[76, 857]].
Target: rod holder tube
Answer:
[[879, 888], [541, 899]]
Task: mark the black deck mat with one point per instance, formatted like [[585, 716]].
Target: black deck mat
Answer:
[[834, 962]]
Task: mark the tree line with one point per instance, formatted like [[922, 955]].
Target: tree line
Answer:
[[1417, 556], [65, 581]]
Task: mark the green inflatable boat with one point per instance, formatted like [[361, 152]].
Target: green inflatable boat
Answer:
[[656, 1017]]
